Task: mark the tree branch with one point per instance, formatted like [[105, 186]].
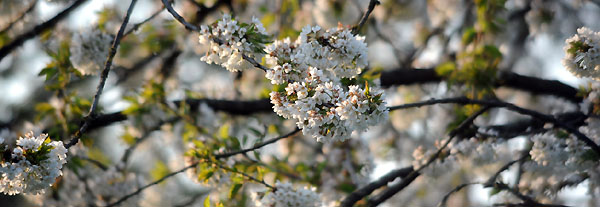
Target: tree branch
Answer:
[[360, 193], [365, 16], [497, 103], [392, 190], [5, 50], [179, 18], [532, 85], [103, 77], [139, 190], [258, 146]]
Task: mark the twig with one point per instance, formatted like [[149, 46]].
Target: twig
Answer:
[[245, 175], [456, 189], [137, 26], [144, 136], [20, 17], [179, 18], [364, 18], [103, 77], [139, 190], [5, 50], [497, 103], [258, 146], [392, 190]]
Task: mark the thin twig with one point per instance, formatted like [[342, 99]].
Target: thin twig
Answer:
[[103, 77], [456, 189], [179, 18], [497, 103], [245, 175], [137, 25], [139, 190], [392, 190], [364, 18], [258, 146], [17, 42], [144, 136]]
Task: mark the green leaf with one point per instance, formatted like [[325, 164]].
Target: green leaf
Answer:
[[234, 189], [445, 69], [207, 201], [49, 72], [160, 170], [469, 35], [495, 191]]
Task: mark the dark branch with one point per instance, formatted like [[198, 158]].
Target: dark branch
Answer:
[[365, 16], [5, 50], [178, 17], [103, 77], [372, 186], [392, 190], [533, 85]]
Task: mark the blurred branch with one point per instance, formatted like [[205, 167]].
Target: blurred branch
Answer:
[[20, 17], [38, 29], [144, 136], [501, 104], [505, 79], [103, 77], [456, 189]]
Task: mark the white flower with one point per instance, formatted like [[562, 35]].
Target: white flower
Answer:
[[313, 66], [286, 196], [89, 50], [583, 54], [29, 171], [228, 41]]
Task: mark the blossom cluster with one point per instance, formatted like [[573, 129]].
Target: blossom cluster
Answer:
[[33, 165], [583, 54], [312, 68], [286, 196], [89, 50], [229, 40]]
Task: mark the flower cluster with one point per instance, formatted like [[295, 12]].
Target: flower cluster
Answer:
[[562, 155], [313, 68], [229, 41], [583, 54], [318, 71], [33, 165], [89, 50], [286, 196]]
